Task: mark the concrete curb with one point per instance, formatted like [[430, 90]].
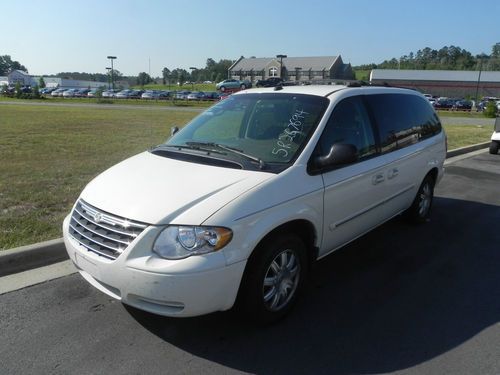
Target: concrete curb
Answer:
[[467, 149], [45, 253], [32, 256]]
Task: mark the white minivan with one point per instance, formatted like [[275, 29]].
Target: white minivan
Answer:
[[234, 207]]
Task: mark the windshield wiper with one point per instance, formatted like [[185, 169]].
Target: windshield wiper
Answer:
[[194, 147], [234, 150]]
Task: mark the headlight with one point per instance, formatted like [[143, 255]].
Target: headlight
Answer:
[[177, 242]]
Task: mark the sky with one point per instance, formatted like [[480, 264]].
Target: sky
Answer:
[[53, 36]]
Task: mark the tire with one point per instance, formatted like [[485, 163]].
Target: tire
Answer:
[[243, 86], [420, 209], [494, 147], [222, 89], [274, 277]]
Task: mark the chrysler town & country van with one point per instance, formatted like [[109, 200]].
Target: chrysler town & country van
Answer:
[[234, 207]]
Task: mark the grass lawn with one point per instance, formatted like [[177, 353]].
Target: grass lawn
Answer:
[[48, 154], [466, 135]]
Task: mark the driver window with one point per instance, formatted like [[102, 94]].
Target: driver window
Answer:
[[349, 124]]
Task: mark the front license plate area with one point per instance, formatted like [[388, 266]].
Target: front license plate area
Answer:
[[88, 266]]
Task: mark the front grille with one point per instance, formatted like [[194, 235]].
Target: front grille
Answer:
[[102, 233]]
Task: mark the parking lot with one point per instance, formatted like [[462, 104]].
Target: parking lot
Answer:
[[405, 299]]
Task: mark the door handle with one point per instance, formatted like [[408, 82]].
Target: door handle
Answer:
[[392, 173], [377, 179]]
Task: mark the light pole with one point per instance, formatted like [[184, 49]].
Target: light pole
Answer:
[[193, 68], [281, 57], [480, 57], [109, 81], [112, 78]]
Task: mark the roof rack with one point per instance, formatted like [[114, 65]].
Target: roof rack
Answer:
[[382, 84], [365, 83]]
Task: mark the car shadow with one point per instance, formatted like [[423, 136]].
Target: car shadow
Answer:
[[397, 297]]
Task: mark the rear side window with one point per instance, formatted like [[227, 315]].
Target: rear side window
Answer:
[[402, 120]]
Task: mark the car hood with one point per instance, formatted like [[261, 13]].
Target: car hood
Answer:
[[158, 190]]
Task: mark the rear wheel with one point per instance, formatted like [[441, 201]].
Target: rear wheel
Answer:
[[494, 147], [222, 88], [243, 86], [273, 279], [420, 209]]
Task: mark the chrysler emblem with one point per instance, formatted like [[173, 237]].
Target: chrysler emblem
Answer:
[[98, 217]]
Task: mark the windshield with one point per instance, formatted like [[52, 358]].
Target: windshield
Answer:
[[272, 127]]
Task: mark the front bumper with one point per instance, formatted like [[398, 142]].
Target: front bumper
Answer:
[[138, 277]]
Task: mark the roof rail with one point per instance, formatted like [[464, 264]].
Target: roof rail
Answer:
[[365, 83]]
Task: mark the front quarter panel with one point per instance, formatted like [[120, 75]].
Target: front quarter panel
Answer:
[[293, 196]]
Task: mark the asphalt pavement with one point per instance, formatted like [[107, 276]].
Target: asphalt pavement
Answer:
[[403, 299]]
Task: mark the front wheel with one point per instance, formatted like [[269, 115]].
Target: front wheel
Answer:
[[274, 277], [420, 209], [494, 147], [243, 86], [222, 88]]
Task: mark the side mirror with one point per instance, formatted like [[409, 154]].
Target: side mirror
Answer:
[[340, 154], [174, 130]]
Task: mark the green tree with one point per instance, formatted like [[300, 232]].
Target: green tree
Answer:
[[495, 50], [490, 110], [41, 82], [7, 65], [166, 75], [143, 79]]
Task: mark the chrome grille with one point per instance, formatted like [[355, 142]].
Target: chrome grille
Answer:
[[101, 232]]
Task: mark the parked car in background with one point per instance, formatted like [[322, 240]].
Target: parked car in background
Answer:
[[124, 94], [212, 95], [233, 84], [463, 105], [269, 82], [69, 93], [481, 106], [444, 103], [110, 93], [136, 94], [57, 92], [182, 94], [165, 94], [92, 93], [81, 93], [198, 95], [151, 94], [47, 90]]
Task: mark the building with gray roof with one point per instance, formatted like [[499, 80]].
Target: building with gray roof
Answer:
[[314, 69], [451, 83]]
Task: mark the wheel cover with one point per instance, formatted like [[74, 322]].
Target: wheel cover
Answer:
[[281, 280], [425, 200]]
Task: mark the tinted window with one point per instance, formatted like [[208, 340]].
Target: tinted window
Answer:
[[349, 123], [402, 119]]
